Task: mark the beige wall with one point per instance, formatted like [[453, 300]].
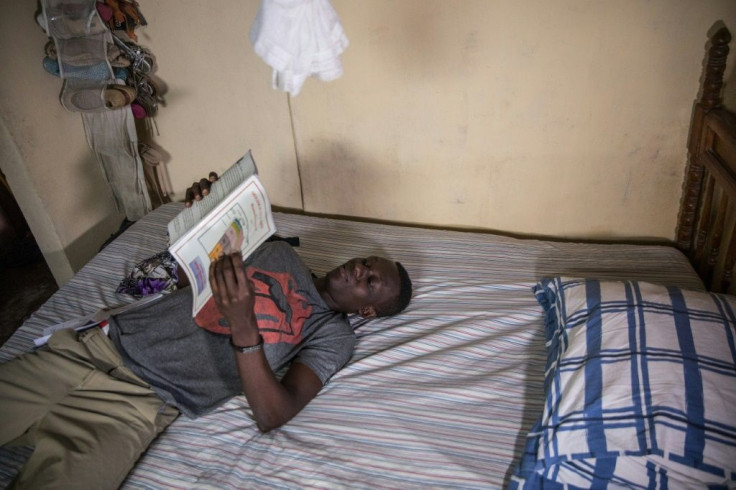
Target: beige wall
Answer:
[[558, 118], [564, 118]]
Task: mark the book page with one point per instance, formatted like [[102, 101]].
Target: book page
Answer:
[[235, 175], [242, 221]]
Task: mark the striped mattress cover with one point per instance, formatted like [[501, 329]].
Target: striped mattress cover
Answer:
[[441, 395]]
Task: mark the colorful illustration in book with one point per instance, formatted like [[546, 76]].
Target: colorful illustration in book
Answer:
[[200, 275], [230, 242]]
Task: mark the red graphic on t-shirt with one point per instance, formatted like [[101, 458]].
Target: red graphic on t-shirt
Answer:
[[280, 309]]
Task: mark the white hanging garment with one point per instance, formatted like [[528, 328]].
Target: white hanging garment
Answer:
[[299, 39]]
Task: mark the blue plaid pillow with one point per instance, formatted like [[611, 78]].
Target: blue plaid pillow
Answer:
[[640, 388]]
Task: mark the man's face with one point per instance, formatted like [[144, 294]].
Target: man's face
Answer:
[[362, 285]]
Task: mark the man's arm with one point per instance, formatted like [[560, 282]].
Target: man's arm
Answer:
[[273, 403]]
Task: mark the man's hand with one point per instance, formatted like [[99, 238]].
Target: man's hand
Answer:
[[273, 402], [235, 298], [199, 189]]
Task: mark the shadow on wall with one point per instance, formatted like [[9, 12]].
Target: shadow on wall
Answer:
[[337, 179]]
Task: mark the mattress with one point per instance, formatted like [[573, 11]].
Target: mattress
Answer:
[[441, 395]]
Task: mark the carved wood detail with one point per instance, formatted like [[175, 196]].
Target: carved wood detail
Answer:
[[713, 72], [704, 221], [710, 98], [729, 263], [715, 242]]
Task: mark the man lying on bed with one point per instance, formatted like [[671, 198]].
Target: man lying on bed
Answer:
[[92, 404]]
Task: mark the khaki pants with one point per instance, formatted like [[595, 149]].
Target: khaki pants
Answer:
[[87, 415]]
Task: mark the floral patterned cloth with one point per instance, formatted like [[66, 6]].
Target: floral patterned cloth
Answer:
[[160, 273], [156, 274]]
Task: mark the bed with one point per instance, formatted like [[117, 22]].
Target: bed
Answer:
[[485, 380]]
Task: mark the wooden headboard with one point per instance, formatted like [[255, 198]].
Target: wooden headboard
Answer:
[[706, 228]]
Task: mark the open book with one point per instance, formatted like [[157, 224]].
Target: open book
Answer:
[[235, 215]]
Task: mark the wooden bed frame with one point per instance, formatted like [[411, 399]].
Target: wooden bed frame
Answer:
[[706, 228]]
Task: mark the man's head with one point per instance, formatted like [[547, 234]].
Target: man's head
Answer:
[[371, 287]]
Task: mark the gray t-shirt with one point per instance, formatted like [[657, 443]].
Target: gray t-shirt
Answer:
[[195, 369]]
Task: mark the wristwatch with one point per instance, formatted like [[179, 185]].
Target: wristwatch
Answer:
[[249, 348]]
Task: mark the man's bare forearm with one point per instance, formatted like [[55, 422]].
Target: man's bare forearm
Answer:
[[274, 403]]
